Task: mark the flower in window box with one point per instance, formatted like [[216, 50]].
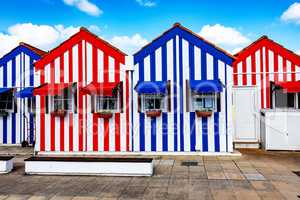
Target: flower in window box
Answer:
[[104, 115], [203, 113], [59, 113], [153, 113], [3, 113]]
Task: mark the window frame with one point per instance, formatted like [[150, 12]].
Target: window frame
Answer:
[[162, 98], [11, 94], [213, 96], [99, 100], [67, 95], [296, 99]]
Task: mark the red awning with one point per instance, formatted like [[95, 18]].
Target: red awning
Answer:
[[51, 89], [289, 87], [104, 89]]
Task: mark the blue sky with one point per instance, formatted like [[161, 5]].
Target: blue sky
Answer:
[[129, 24]]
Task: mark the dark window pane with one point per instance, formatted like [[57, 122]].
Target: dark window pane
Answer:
[[291, 100], [284, 100]]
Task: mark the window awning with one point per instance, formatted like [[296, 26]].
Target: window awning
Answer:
[[4, 90], [51, 89], [290, 86], [206, 86], [151, 87], [104, 89], [25, 93]]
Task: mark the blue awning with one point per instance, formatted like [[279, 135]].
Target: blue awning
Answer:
[[4, 90], [151, 87], [206, 86], [25, 93]]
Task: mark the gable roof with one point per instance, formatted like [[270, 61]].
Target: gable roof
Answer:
[[186, 33], [30, 50], [271, 44], [83, 34]]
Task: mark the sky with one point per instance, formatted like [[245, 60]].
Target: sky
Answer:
[[131, 24]]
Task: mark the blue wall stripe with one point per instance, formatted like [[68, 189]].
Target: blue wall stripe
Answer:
[[4, 120], [175, 93], [192, 114], [142, 116], [226, 109], [203, 65], [216, 114], [153, 134], [164, 115], [31, 128], [31, 78], [153, 120], [181, 96], [217, 133], [17, 51], [13, 73], [204, 134], [186, 35], [13, 128]]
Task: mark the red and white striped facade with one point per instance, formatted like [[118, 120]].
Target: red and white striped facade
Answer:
[[262, 62], [82, 59]]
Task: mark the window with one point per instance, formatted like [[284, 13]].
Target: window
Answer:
[[6, 101], [284, 100], [106, 104], [204, 102], [153, 102], [31, 104], [63, 101]]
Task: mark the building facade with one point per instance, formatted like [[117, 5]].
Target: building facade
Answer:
[[263, 73], [82, 103], [16, 101], [182, 96]]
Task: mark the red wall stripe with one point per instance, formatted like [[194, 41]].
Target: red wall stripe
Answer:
[[262, 97], [127, 110], [80, 100], [70, 65], [293, 72], [71, 132], [253, 69], [62, 133], [85, 69], [42, 115], [106, 134], [275, 67], [105, 68], [284, 63], [244, 70], [95, 118], [117, 115], [267, 79], [235, 75], [52, 118]]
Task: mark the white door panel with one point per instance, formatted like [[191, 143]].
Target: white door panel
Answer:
[[246, 113]]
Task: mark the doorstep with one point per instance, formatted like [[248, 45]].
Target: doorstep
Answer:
[[6, 164]]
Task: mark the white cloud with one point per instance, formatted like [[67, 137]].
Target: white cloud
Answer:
[[146, 3], [298, 52], [292, 14], [226, 37], [42, 36], [129, 44], [85, 6]]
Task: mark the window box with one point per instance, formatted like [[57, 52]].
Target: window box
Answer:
[[153, 113], [104, 115], [59, 113], [3, 113], [202, 113]]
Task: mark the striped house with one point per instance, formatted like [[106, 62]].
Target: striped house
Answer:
[[182, 96], [82, 102], [259, 70], [16, 100]]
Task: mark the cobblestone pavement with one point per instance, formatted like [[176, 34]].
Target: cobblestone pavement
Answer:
[[254, 175]]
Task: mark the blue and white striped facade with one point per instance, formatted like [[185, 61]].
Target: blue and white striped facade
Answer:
[[177, 56], [17, 72]]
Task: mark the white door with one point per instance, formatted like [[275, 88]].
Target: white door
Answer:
[[246, 113]]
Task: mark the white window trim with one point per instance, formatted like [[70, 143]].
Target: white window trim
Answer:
[[13, 106], [147, 96], [69, 98], [96, 103], [203, 95], [296, 106]]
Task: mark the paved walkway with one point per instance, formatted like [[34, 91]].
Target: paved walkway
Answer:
[[255, 175]]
